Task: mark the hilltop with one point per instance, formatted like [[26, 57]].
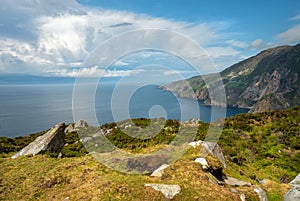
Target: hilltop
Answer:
[[260, 149], [268, 81]]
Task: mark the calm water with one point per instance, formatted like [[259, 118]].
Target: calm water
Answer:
[[28, 109]]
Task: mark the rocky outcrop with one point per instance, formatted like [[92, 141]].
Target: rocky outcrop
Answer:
[[294, 193], [52, 141], [267, 81], [262, 195], [169, 191]]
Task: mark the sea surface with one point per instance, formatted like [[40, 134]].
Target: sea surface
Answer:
[[31, 108]]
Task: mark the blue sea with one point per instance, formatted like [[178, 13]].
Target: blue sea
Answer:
[[31, 108]]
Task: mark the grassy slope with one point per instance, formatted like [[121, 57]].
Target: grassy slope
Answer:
[[256, 146]]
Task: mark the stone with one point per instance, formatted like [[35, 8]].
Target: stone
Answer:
[[235, 182], [169, 191], [215, 150], [293, 194], [212, 178], [196, 143], [86, 139], [243, 197], [296, 181], [52, 141], [262, 195], [70, 128], [159, 171], [203, 162], [233, 190], [81, 124]]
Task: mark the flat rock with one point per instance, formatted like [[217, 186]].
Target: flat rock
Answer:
[[169, 191], [262, 195], [52, 141], [159, 171], [235, 182]]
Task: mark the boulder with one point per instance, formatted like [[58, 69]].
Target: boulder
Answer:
[[203, 162], [262, 195], [159, 171], [81, 124], [169, 191], [215, 150], [52, 141], [294, 193]]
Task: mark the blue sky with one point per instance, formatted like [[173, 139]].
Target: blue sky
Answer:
[[54, 38]]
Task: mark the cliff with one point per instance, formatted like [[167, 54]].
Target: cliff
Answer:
[[267, 81]]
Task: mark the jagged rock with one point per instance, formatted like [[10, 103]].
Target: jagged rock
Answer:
[[215, 150], [235, 182], [243, 197], [159, 171], [294, 193], [81, 124], [296, 181], [52, 141], [203, 162], [70, 128], [262, 195], [169, 191], [196, 144]]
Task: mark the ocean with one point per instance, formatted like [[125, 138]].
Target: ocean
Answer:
[[31, 108]]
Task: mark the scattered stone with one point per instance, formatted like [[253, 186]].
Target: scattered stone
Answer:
[[52, 141], [196, 144], [59, 155], [215, 150], [203, 162], [235, 182], [81, 124], [169, 191], [233, 190], [243, 197], [262, 195], [159, 171]]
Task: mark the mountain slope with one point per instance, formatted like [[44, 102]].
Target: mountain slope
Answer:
[[267, 81]]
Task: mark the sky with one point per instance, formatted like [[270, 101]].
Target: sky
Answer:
[[57, 38]]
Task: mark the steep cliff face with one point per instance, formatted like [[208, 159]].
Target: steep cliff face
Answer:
[[267, 81]]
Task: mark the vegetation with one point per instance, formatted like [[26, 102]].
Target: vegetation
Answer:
[[256, 147]]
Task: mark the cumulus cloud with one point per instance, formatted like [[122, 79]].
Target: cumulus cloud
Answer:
[[291, 35], [257, 44], [53, 37]]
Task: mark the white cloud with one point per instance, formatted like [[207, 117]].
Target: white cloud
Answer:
[[236, 43], [257, 44], [297, 17], [61, 34], [291, 35]]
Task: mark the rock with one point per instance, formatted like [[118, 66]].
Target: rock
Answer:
[[293, 194], [86, 139], [52, 141], [215, 150], [296, 181], [169, 191], [262, 195], [159, 171], [70, 128], [81, 124], [243, 197], [196, 144], [98, 134], [263, 182], [235, 182], [212, 178], [233, 190], [203, 162]]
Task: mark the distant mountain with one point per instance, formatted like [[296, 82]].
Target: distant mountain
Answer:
[[268, 81]]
